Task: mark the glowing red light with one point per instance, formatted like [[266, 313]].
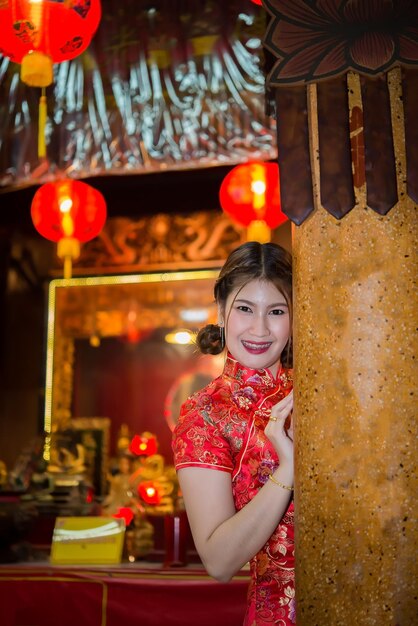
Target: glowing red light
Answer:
[[125, 513], [68, 208], [149, 492], [251, 191], [142, 445]]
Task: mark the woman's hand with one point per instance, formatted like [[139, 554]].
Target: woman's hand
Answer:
[[280, 429]]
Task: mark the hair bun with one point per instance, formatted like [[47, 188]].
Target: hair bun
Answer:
[[209, 340]]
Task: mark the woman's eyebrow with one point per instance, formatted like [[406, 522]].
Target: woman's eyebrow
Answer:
[[254, 303]]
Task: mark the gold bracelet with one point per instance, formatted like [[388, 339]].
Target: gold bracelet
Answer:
[[276, 482]]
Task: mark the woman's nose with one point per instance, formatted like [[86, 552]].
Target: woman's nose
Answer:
[[260, 326]]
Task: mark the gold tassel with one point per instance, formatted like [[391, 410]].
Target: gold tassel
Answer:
[[258, 231], [41, 125]]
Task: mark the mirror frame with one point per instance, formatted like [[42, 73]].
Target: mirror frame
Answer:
[[58, 381]]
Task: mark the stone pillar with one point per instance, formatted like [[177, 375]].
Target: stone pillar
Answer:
[[355, 351], [355, 348], [346, 100], [356, 486]]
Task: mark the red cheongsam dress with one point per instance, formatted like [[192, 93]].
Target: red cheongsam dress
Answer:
[[221, 427]]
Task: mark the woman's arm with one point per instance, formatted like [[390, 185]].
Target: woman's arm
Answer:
[[224, 538]]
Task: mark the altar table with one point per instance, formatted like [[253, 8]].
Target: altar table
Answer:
[[45, 595]]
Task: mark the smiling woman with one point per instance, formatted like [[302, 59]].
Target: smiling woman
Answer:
[[233, 446], [257, 325]]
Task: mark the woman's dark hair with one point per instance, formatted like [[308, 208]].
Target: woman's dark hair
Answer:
[[250, 261]]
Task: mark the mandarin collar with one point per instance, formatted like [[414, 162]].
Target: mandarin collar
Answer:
[[261, 379]]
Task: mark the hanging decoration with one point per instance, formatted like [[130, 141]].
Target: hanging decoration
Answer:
[[343, 75], [163, 86], [38, 33], [250, 195], [68, 212]]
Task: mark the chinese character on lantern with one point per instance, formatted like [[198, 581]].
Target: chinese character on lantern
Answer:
[[38, 33]]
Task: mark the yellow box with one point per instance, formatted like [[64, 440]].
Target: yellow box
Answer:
[[87, 540]]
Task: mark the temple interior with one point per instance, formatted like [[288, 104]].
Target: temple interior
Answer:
[[163, 101]]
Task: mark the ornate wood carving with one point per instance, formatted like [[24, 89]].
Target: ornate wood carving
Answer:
[[315, 42], [382, 192], [293, 148], [337, 194], [161, 241]]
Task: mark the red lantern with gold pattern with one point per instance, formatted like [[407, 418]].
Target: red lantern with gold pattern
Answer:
[[69, 212], [250, 195], [38, 33]]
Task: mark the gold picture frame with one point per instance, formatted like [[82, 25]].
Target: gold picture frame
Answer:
[[90, 307], [93, 433]]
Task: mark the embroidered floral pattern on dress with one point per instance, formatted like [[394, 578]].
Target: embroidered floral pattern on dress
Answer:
[[264, 469], [244, 398], [222, 428]]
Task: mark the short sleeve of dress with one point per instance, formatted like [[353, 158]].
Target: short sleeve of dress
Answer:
[[197, 439]]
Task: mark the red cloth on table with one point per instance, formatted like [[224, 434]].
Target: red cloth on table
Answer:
[[58, 596]]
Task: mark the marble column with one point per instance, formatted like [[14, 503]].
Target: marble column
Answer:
[[356, 432]]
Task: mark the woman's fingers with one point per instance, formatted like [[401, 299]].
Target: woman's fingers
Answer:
[[288, 426], [283, 408], [279, 429], [281, 415]]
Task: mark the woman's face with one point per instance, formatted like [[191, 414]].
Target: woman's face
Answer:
[[257, 325]]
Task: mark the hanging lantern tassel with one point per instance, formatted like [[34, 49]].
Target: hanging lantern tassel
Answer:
[[42, 125], [259, 231], [68, 248]]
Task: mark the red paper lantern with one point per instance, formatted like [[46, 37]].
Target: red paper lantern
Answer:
[[149, 492], [250, 195], [68, 208], [69, 212], [38, 33]]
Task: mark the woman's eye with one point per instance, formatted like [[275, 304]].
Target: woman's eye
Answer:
[[245, 309], [277, 312]]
